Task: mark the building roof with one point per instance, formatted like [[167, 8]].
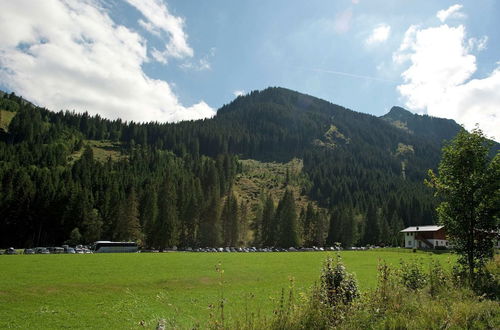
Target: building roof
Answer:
[[421, 228]]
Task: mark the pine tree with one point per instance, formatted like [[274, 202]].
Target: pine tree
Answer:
[[372, 232], [319, 228], [167, 225], [75, 237], [243, 223], [334, 229], [230, 223], [385, 231], [309, 225], [286, 216], [210, 228], [133, 225], [347, 226], [269, 228], [92, 226], [149, 214]]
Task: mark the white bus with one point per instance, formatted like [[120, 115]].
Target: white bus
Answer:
[[114, 247]]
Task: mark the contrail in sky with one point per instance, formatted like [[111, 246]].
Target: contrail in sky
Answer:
[[353, 75]]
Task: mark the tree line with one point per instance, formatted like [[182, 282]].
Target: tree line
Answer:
[[173, 185]]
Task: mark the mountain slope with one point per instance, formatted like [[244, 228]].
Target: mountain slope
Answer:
[[438, 129], [171, 184]]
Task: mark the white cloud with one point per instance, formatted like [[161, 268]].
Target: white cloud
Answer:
[[239, 93], [160, 21], [69, 54], [478, 44], [379, 34], [202, 64], [342, 22], [451, 12], [438, 80]]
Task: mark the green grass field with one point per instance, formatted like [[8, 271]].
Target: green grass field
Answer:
[[118, 291]]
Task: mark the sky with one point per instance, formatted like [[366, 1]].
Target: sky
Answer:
[[172, 60]]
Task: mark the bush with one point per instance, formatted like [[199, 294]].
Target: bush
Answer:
[[412, 275], [337, 285], [438, 279], [336, 303], [487, 281]]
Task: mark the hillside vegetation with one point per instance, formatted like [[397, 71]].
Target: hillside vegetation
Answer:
[[66, 176], [5, 119]]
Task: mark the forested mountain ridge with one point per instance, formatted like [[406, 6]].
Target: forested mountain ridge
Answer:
[[171, 184], [435, 128]]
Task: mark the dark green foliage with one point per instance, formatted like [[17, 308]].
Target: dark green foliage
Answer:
[[75, 237], [286, 218], [424, 126], [412, 275], [468, 183], [9, 105], [337, 286], [230, 221], [269, 226], [334, 234], [181, 175]]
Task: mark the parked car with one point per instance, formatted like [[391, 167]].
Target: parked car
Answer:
[[56, 250], [29, 251], [41, 250], [69, 250], [10, 251]]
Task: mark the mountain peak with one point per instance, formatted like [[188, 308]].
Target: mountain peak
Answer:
[[398, 113], [439, 128]]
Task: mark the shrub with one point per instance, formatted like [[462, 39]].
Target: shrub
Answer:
[[487, 282], [438, 278], [337, 285], [412, 275]]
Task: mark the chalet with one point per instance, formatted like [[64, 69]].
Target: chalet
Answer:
[[425, 237]]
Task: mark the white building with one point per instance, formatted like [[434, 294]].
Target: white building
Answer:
[[425, 237]]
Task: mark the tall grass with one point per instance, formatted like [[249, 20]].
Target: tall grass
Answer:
[[411, 296]]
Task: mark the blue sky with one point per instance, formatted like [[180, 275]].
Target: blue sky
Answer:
[[170, 60]]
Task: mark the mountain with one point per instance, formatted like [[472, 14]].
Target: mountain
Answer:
[[438, 129], [350, 177]]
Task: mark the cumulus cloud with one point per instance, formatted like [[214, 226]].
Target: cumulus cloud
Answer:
[[379, 34], [239, 93], [69, 54], [438, 80], [159, 22], [478, 44], [451, 12]]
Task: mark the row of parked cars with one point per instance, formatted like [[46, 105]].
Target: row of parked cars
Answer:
[[268, 249], [251, 249], [65, 249]]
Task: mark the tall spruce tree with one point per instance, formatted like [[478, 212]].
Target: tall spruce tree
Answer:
[[167, 226], [269, 225], [286, 216], [334, 229], [210, 227]]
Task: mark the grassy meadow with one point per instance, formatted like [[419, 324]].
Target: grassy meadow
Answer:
[[124, 291], [5, 119]]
